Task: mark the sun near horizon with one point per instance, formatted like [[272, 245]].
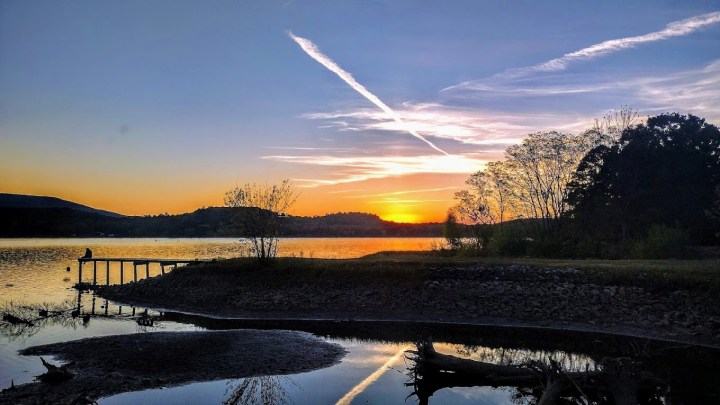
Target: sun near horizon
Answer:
[[143, 109]]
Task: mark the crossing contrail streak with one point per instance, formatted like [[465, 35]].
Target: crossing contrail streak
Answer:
[[674, 29], [314, 52]]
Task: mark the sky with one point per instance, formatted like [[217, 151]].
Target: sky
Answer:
[[381, 106]]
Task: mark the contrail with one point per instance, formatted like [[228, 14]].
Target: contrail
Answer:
[[314, 52], [369, 380], [674, 29]]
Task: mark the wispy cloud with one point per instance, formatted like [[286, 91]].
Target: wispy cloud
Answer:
[[673, 29], [406, 192], [308, 148], [361, 168], [537, 104], [314, 52], [403, 201], [696, 91], [487, 131]]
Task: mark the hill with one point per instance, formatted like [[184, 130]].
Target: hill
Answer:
[[32, 201], [206, 222]]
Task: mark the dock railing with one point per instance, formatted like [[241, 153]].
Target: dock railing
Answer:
[[136, 262]]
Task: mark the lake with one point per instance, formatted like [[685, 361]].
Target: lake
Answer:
[[375, 370]]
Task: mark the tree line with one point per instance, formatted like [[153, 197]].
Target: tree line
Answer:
[[202, 223], [618, 189]]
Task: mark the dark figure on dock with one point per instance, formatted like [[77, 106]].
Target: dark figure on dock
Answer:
[[88, 253]]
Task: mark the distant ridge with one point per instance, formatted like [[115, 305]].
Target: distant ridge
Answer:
[[31, 201], [28, 222]]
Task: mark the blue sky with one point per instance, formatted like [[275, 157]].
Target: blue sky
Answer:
[[148, 107]]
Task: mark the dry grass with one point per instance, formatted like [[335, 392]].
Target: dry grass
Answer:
[[412, 268]]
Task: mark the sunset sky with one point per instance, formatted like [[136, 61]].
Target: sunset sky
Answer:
[[382, 106]]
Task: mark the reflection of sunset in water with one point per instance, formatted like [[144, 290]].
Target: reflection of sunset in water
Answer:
[[372, 378], [34, 270]]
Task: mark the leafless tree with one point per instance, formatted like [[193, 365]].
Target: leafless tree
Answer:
[[263, 207], [610, 127], [540, 169], [530, 183]]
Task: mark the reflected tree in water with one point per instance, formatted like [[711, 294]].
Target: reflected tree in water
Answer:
[[20, 319], [541, 381], [265, 390], [510, 356], [24, 320]]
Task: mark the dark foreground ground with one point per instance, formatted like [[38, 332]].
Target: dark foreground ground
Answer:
[[674, 300], [114, 364]]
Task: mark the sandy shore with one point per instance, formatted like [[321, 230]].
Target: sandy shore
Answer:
[[110, 365]]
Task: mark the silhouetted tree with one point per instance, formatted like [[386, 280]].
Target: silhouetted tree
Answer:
[[451, 232], [664, 172], [261, 222]]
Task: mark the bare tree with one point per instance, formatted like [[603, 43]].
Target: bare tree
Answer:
[[540, 169], [262, 207], [532, 181], [485, 202], [609, 128]]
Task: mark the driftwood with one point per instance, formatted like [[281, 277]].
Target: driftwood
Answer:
[[619, 379], [11, 387], [54, 373]]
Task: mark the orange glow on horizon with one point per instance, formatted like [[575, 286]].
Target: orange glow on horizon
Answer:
[[407, 199], [402, 218]]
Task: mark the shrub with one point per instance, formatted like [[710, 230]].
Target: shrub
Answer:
[[504, 243], [662, 242]]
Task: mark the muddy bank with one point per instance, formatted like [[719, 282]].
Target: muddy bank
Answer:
[[110, 365], [469, 293]]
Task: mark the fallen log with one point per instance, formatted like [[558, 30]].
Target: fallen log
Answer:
[[619, 379], [428, 358], [434, 371]]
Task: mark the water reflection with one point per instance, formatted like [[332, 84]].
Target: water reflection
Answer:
[[36, 269], [33, 271], [259, 390], [557, 377], [27, 319]]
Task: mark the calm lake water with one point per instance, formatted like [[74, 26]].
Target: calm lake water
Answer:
[[375, 370]]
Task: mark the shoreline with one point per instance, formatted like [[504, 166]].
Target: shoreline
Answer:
[[295, 323], [460, 293]]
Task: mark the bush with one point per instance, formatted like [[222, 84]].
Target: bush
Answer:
[[504, 243], [662, 242]]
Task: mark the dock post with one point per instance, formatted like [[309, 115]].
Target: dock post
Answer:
[[80, 264], [94, 272], [162, 269], [147, 270], [121, 273], [107, 272], [135, 270]]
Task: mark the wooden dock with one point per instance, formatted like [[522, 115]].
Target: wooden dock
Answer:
[[136, 262]]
